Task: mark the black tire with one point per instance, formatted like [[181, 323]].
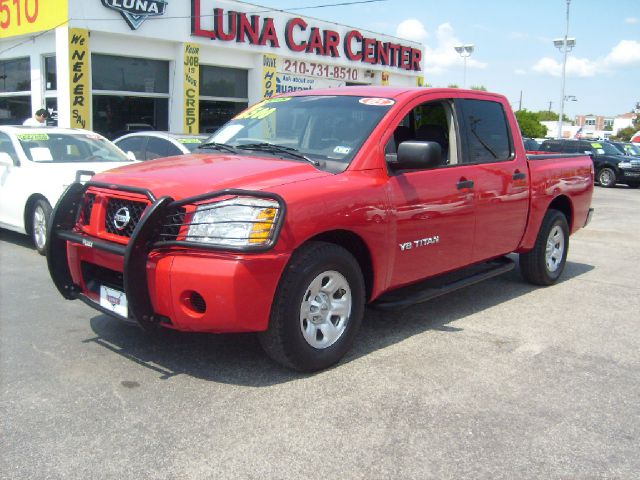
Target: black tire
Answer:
[[39, 217], [607, 177], [633, 185], [293, 328], [543, 266]]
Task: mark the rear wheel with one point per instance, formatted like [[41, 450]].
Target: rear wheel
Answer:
[[317, 310], [544, 264], [607, 177], [40, 216]]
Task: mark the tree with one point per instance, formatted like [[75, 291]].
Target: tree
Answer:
[[482, 88], [453, 85], [529, 124], [548, 115], [624, 134]]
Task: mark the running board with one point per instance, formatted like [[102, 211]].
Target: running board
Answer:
[[434, 287]]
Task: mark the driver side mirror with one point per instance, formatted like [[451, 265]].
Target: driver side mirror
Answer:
[[415, 155]]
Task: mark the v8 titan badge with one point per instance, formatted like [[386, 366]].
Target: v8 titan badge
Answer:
[[135, 12]]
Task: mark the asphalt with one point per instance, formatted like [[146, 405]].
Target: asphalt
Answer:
[[499, 380]]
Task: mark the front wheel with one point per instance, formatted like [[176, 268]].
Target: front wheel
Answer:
[[544, 264], [607, 178], [40, 216], [317, 310]]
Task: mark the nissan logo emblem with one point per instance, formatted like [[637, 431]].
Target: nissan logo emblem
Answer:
[[121, 218]]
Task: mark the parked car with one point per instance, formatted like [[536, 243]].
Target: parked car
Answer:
[[628, 148], [38, 164], [358, 196], [611, 166], [530, 144], [150, 145]]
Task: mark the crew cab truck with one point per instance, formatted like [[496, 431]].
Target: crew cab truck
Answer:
[[611, 165], [306, 207]]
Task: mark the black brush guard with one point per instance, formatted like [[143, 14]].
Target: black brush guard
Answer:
[[145, 238]]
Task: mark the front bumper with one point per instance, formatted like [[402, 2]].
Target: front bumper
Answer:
[[170, 283]]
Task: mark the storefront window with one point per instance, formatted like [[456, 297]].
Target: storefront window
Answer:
[[223, 94], [223, 82], [15, 75], [116, 115], [214, 114], [14, 110], [52, 108], [126, 74], [51, 79]]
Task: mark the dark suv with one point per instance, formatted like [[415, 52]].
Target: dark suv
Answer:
[[610, 164]]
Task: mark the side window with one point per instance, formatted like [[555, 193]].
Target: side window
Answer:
[[173, 150], [132, 144], [157, 147], [428, 122], [7, 147], [487, 132]]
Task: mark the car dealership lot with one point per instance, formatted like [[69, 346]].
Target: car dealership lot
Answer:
[[499, 380]]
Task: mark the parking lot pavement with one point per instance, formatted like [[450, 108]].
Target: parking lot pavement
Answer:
[[499, 380]]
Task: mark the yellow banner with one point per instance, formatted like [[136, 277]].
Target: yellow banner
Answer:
[[191, 88], [19, 17], [385, 79], [420, 81], [268, 75], [79, 76]]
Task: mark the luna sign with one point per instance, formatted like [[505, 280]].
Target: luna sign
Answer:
[[299, 36], [137, 11]]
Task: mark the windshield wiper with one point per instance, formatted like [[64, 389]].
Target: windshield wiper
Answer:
[[218, 146], [273, 148]]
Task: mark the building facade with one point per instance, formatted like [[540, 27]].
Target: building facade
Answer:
[[121, 65]]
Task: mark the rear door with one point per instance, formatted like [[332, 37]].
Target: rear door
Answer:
[[499, 175]]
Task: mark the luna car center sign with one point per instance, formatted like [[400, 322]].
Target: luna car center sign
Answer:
[[297, 35], [137, 11]]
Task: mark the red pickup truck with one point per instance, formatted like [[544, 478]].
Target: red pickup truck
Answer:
[[306, 207]]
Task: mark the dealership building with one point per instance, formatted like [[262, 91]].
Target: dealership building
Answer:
[[121, 65]]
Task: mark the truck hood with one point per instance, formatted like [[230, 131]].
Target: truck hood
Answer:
[[188, 175]]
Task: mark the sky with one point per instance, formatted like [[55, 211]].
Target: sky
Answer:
[[514, 53]]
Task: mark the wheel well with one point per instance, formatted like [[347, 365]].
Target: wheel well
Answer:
[[28, 210], [563, 205], [356, 246]]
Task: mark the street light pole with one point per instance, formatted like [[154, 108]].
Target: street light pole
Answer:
[[566, 45], [464, 51]]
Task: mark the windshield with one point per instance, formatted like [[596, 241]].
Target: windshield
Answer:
[[329, 130], [68, 148], [605, 148]]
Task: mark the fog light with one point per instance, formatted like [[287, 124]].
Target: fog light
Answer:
[[197, 303]]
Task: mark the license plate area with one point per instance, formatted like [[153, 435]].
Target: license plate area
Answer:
[[114, 301]]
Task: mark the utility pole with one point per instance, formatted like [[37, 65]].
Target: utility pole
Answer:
[[565, 45], [520, 102]]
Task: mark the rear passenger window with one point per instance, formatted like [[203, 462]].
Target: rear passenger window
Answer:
[[158, 147], [488, 138]]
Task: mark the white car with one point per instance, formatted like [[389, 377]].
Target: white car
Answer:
[[38, 164], [151, 145]]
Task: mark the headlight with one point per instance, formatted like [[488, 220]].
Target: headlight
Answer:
[[238, 222], [624, 165]]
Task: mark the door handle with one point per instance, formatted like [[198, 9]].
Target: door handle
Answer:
[[465, 184], [519, 175]]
